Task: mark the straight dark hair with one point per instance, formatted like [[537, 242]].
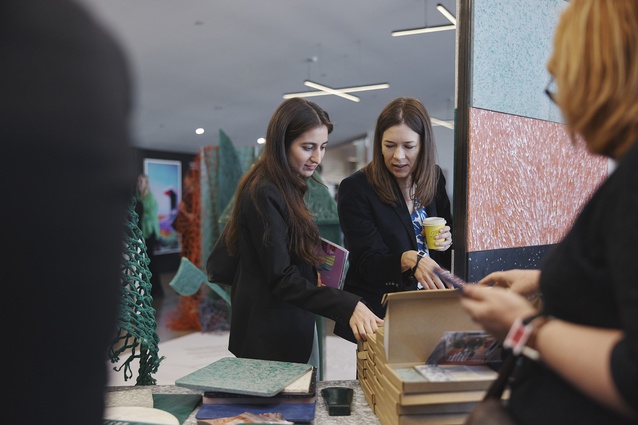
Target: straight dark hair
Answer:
[[409, 111], [290, 120]]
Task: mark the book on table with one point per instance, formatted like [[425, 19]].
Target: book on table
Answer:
[[256, 377], [293, 412], [233, 386], [334, 266], [303, 390], [462, 356]]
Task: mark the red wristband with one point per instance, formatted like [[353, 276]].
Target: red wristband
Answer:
[[519, 334]]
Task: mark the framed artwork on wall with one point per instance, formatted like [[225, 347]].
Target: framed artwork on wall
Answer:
[[165, 180]]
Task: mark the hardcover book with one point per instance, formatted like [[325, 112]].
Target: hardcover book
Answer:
[[302, 390], [245, 376], [293, 412]]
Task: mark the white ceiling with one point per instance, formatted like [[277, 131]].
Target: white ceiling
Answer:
[[225, 64]]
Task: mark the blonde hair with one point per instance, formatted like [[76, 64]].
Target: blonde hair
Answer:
[[142, 193], [595, 63]]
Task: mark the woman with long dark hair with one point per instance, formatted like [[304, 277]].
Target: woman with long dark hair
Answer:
[[268, 251]]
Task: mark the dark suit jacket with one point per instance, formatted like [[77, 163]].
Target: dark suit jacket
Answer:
[[274, 295], [377, 234]]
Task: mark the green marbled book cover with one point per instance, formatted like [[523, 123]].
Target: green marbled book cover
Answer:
[[244, 376]]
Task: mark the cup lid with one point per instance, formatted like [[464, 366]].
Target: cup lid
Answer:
[[434, 220]]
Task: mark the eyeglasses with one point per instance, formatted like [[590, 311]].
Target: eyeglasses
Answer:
[[550, 90]]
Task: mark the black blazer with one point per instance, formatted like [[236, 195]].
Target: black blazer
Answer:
[[377, 234], [274, 295]]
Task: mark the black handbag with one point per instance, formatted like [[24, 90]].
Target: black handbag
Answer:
[[491, 410]]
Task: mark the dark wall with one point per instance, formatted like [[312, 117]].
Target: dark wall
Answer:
[[166, 263]]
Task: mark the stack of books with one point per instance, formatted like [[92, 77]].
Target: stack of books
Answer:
[[412, 370], [233, 386]]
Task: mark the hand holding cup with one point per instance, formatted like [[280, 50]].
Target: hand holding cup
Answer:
[[432, 229]]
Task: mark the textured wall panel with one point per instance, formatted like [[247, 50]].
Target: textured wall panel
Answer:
[[512, 41], [526, 181]]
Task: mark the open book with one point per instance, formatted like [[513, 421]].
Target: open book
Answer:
[[332, 270]]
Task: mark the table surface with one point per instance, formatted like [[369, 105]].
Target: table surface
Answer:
[[360, 410]]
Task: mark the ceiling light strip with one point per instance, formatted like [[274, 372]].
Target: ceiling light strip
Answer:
[[446, 13], [331, 91], [343, 90], [414, 31], [306, 94], [365, 88]]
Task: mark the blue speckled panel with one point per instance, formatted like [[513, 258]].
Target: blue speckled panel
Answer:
[[482, 263], [512, 42]]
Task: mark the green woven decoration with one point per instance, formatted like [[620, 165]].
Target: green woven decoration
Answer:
[[136, 327]]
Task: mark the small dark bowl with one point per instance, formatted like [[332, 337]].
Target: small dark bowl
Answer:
[[338, 400]]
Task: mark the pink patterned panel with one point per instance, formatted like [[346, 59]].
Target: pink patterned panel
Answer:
[[526, 181]]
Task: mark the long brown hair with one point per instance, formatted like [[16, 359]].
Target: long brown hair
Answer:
[[409, 111], [595, 63], [290, 120]]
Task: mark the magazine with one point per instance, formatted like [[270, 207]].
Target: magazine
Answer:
[[462, 356], [332, 271], [465, 348]]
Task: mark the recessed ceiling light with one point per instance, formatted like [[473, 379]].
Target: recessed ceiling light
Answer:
[[261, 140], [199, 131]]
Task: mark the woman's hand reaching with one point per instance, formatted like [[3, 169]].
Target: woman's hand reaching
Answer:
[[495, 309], [523, 282], [364, 322], [423, 267]]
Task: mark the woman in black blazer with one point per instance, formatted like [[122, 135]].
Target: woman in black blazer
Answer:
[[382, 206], [268, 251]]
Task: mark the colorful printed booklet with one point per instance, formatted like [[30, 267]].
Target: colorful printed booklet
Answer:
[[462, 356], [332, 271]]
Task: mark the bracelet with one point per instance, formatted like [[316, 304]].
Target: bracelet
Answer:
[[521, 333], [537, 323], [419, 256]]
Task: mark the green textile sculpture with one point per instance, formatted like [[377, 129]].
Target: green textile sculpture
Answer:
[[221, 169], [323, 206], [319, 202], [230, 170], [136, 327]]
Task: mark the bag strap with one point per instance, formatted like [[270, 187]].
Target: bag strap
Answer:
[[498, 386]]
